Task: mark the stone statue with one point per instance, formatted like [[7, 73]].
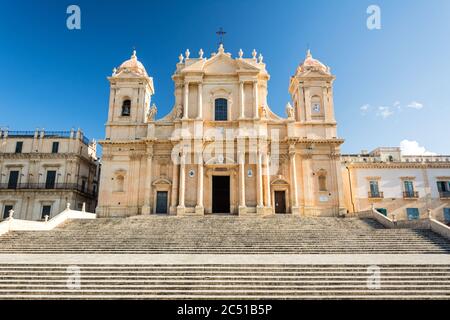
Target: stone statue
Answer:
[[151, 113], [178, 112], [290, 111], [263, 111]]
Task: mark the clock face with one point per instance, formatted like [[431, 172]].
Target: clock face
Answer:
[[316, 107]]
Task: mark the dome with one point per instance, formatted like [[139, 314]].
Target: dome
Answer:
[[133, 65], [312, 64]]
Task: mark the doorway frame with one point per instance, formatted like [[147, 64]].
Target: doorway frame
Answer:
[[212, 192], [281, 184], [161, 185]]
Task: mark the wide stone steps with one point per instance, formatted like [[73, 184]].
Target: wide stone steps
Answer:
[[225, 235], [224, 282]]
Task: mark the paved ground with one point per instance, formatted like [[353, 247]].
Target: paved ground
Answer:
[[306, 259]]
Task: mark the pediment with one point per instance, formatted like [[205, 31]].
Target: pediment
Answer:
[[221, 63]]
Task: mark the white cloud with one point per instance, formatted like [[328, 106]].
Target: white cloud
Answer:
[[415, 105], [364, 109], [384, 112], [412, 148]]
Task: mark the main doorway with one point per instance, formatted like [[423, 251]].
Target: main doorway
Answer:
[[221, 194], [280, 202], [161, 201]]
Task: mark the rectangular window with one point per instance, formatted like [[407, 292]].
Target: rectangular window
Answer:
[[447, 215], [51, 179], [6, 210], [409, 189], [55, 147], [412, 213], [19, 146], [374, 190], [46, 211], [221, 109], [443, 189], [13, 179]]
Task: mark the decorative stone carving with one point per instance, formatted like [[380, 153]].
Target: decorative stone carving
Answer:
[[178, 111], [152, 113], [290, 111], [263, 111]]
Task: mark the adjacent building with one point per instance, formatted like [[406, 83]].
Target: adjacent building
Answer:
[[41, 171], [395, 184]]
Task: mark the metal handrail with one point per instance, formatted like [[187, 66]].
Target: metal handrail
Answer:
[[378, 194]]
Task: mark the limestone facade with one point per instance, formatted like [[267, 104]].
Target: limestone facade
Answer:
[[41, 171], [221, 148]]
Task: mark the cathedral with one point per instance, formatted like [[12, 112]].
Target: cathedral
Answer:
[[221, 149]]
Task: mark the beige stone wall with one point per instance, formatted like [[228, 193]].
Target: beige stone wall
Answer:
[[75, 164]]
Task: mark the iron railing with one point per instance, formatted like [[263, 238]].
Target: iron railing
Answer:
[[376, 195], [48, 186], [410, 194], [444, 194], [47, 134]]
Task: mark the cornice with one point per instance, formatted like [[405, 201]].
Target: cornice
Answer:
[[398, 165]]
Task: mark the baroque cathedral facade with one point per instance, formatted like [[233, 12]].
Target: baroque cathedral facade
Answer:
[[221, 149]]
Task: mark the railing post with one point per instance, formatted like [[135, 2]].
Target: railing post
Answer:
[[83, 208], [68, 206], [46, 218], [11, 214], [430, 213]]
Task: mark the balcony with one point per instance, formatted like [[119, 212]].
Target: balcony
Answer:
[[410, 194], [444, 194], [376, 195], [48, 186]]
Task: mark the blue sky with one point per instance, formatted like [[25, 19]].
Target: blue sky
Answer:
[[392, 84]]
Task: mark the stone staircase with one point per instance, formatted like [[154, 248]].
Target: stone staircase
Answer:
[[121, 259], [223, 282], [225, 235]]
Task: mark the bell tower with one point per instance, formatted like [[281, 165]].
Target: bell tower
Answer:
[[131, 90], [311, 90]]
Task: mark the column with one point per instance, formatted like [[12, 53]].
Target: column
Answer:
[[148, 185], [200, 101], [242, 180], [255, 100], [259, 185], [200, 187], [268, 195], [242, 99], [294, 181], [307, 105], [186, 101], [182, 181], [326, 107], [174, 195]]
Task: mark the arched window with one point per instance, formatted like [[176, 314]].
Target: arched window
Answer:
[[126, 108], [221, 109]]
